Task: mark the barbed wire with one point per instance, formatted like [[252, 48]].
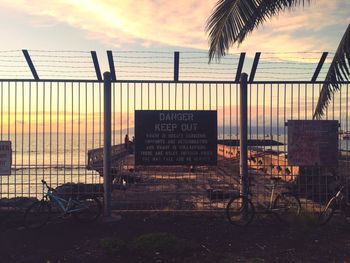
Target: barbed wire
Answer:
[[67, 71], [10, 51], [12, 61], [200, 68], [160, 64], [63, 61], [68, 76], [17, 71], [149, 62], [57, 51], [155, 72], [62, 66], [282, 73], [13, 66], [150, 57], [138, 51], [72, 57]]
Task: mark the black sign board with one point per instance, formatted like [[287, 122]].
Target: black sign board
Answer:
[[313, 142], [175, 137]]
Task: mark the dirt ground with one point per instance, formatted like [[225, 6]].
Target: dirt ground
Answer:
[[175, 238]]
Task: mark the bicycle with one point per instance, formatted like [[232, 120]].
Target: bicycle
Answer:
[[39, 213], [336, 201], [240, 210]]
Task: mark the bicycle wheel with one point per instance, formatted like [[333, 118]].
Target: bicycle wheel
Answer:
[[240, 211], [327, 213], [87, 210], [37, 215], [286, 207]]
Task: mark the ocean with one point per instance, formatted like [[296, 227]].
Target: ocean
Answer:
[[62, 158]]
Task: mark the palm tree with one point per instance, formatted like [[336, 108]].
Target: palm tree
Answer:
[[232, 20]]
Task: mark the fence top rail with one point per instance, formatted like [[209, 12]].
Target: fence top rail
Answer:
[[175, 82], [52, 80]]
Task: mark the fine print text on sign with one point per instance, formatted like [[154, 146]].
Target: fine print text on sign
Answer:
[[313, 142], [175, 137], [5, 157]]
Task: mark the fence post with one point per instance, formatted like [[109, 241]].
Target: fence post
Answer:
[[176, 66], [107, 179], [243, 145]]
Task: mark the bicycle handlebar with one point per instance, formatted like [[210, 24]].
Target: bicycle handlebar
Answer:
[[48, 187]]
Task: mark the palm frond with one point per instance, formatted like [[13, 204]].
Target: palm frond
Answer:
[[232, 20], [339, 71]]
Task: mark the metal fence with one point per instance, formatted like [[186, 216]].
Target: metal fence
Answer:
[[55, 124], [51, 126]]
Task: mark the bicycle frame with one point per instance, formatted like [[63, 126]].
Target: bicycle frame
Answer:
[[344, 206], [62, 203], [272, 195]]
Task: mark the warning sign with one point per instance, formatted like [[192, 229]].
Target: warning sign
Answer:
[[5, 157], [313, 142], [175, 137]]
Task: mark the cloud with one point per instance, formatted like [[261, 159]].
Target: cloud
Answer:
[[150, 23], [159, 22]]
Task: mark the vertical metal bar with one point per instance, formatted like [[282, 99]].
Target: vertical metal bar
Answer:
[[236, 112], [121, 111], [16, 148], [148, 97], [347, 129], [189, 96], [43, 129], [183, 96], [65, 130], [175, 96], [162, 97], [79, 123], [141, 96], [196, 96], [298, 101], [22, 139], [36, 135], [107, 144], [50, 145], [243, 135], [223, 111], [114, 116], [230, 99], [278, 127], [305, 110], [86, 126], [209, 96], [2, 110], [72, 135], [9, 127], [1, 130], [176, 65], [93, 122]]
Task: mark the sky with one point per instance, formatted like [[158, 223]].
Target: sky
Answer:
[[160, 25]]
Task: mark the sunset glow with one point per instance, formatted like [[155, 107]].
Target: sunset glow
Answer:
[[167, 25]]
